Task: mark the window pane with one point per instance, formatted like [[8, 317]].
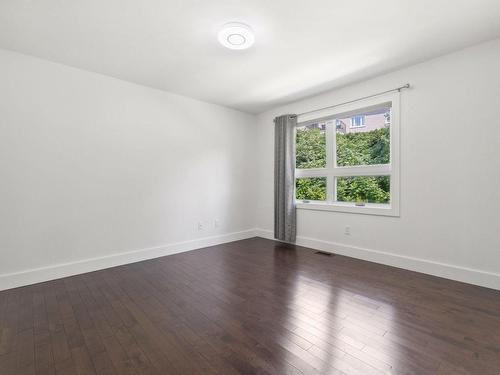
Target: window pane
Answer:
[[364, 189], [311, 188], [311, 146], [364, 139], [357, 121]]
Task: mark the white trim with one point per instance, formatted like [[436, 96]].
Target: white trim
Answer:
[[395, 152], [37, 275], [346, 110], [356, 170], [445, 270], [349, 207]]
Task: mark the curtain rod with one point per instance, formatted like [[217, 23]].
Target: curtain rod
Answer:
[[407, 86]]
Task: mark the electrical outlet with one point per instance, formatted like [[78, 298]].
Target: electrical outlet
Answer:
[[201, 226], [216, 223], [347, 230]]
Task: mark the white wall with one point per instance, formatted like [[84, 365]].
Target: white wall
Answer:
[[91, 167], [450, 172]]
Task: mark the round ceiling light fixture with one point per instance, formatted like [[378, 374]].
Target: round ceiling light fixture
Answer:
[[236, 35]]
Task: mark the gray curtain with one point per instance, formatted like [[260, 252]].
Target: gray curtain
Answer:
[[284, 178]]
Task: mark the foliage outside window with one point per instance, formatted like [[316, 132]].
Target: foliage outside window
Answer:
[[310, 147], [311, 188], [364, 189], [367, 148], [340, 164]]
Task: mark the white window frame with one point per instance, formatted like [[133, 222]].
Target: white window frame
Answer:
[[332, 171]]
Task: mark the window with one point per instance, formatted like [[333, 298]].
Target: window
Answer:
[[387, 116], [350, 168], [357, 121]]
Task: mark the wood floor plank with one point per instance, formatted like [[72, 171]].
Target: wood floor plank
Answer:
[[250, 307]]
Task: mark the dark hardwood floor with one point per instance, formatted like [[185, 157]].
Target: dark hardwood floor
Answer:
[[250, 307]]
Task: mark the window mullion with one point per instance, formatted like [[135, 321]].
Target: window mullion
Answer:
[[330, 145], [330, 160], [331, 195], [313, 172], [368, 170]]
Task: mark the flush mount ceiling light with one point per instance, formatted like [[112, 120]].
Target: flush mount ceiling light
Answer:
[[236, 35]]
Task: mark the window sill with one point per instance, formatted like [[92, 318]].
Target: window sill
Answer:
[[368, 209]]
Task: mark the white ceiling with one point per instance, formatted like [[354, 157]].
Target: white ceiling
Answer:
[[302, 47]]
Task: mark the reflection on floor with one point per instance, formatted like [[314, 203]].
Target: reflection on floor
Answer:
[[250, 307]]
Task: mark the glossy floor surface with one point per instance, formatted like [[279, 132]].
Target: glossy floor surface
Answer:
[[250, 307]]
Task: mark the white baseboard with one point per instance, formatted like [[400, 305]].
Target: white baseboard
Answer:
[[448, 271], [37, 275]]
